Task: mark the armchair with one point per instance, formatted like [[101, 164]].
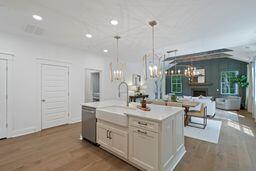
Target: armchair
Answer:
[[229, 103]]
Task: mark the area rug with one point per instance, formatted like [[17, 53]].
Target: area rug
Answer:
[[211, 132]]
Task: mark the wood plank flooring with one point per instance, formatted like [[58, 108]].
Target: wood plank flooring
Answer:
[[61, 149]]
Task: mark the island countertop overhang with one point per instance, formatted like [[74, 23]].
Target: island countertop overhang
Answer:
[[157, 113]]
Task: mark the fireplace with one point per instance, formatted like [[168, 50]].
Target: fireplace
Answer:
[[200, 92]]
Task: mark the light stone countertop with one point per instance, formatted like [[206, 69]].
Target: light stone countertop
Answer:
[[105, 103], [157, 113]]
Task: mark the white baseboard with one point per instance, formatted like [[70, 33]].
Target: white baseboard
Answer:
[[21, 132], [75, 120], [30, 130]]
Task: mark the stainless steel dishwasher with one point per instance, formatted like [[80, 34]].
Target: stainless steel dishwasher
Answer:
[[89, 124]]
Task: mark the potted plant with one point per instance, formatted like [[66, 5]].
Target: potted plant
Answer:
[[241, 81]]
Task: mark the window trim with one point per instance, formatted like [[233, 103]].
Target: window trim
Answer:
[[236, 86], [176, 84]]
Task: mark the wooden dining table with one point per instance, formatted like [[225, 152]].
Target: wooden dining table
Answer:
[[187, 105]]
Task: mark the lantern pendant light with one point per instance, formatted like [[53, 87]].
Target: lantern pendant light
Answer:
[[176, 71], [116, 73], [153, 68]]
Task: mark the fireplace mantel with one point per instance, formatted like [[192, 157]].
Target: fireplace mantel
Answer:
[[200, 84]]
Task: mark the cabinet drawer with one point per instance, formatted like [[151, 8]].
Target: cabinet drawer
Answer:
[[145, 124]]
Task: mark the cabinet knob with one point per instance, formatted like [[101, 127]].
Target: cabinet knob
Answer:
[[142, 123], [143, 132], [109, 135]]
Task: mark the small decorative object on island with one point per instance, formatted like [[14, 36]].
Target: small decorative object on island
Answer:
[[174, 98], [143, 105]]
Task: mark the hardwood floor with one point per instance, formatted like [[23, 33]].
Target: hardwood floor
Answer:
[[61, 149]]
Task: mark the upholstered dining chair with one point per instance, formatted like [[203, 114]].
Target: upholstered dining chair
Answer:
[[199, 114], [156, 102], [175, 104]]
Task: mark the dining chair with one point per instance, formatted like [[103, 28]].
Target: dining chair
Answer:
[[198, 114]]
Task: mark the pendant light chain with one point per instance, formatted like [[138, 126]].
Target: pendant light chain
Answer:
[[117, 51], [117, 48]]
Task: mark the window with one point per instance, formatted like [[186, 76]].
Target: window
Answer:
[[226, 86], [176, 84]]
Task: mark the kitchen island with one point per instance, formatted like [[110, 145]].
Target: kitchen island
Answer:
[[150, 140]]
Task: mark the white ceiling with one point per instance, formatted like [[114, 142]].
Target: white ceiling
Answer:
[[188, 25]]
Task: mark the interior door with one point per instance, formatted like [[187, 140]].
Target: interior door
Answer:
[[3, 99], [92, 85], [54, 95]]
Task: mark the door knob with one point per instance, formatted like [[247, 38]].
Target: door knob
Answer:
[[43, 100]]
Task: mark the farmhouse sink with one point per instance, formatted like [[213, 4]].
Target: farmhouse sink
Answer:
[[113, 114]]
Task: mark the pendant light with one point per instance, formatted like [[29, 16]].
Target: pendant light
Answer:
[[116, 72], [175, 71], [153, 68]]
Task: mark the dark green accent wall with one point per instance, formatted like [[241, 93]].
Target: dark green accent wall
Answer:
[[213, 69]]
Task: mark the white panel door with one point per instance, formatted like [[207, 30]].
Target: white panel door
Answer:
[[54, 95], [3, 100]]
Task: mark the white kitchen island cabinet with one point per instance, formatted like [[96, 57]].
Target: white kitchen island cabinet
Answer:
[[113, 138], [149, 140], [156, 146]]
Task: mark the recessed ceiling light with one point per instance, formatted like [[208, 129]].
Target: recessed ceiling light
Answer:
[[114, 22], [88, 35], [38, 17], [105, 50]]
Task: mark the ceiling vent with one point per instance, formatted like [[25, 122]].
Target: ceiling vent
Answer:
[[33, 29]]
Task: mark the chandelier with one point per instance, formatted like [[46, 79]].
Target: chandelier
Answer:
[[190, 72], [116, 72]]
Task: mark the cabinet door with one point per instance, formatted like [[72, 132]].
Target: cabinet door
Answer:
[[102, 135], [119, 141], [179, 131], [143, 148]]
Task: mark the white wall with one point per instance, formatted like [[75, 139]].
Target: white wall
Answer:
[[253, 87], [24, 116]]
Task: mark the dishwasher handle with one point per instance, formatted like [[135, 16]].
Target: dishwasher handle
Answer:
[[89, 111]]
